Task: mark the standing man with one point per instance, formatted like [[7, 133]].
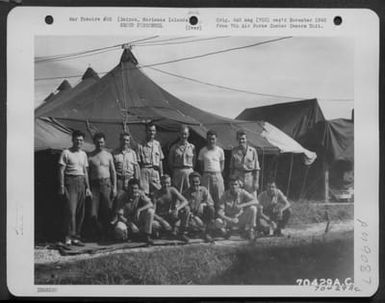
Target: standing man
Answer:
[[103, 185], [244, 164], [237, 208], [135, 216], [201, 206], [274, 207], [181, 160], [150, 158], [170, 208], [126, 165], [74, 186], [212, 162]]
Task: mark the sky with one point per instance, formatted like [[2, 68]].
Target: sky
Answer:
[[290, 69]]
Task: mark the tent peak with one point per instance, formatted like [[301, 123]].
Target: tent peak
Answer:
[[128, 56], [64, 85], [90, 73]]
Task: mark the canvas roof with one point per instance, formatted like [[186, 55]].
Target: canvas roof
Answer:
[[293, 118], [127, 98], [304, 121], [49, 134], [334, 139], [65, 93]]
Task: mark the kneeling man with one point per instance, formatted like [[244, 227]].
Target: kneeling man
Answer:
[[171, 208], [237, 209], [275, 206], [201, 206], [135, 216]]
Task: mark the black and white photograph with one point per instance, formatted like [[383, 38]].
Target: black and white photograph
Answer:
[[222, 153], [193, 160]]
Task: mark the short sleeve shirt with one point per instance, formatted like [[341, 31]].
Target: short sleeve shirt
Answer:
[[228, 201], [196, 198], [74, 162], [211, 159], [132, 204], [244, 161], [182, 155], [266, 200], [165, 202], [125, 162], [150, 153]]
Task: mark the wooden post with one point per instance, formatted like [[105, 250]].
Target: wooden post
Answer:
[[290, 172], [326, 172], [302, 193]]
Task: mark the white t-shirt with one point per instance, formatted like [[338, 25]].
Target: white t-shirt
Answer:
[[211, 159], [74, 162]]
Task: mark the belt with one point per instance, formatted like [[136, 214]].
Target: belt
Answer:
[[183, 167], [74, 176], [212, 172], [100, 180], [124, 177]]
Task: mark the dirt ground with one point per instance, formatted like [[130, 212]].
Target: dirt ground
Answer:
[[292, 237]]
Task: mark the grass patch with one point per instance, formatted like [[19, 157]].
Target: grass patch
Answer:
[[284, 265], [306, 212], [209, 265]]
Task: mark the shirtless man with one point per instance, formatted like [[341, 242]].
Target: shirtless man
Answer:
[[103, 185], [171, 207]]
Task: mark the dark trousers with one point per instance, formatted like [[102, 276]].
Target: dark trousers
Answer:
[[273, 214], [168, 221], [101, 206], [75, 194], [202, 218]]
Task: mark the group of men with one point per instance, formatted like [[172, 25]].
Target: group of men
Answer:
[[131, 197]]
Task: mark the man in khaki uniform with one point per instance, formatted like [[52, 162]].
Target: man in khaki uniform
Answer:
[[126, 165], [237, 209], [274, 208], [201, 206], [135, 216], [181, 160], [150, 159], [244, 164]]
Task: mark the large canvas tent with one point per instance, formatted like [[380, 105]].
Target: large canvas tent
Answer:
[[333, 140], [127, 99]]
